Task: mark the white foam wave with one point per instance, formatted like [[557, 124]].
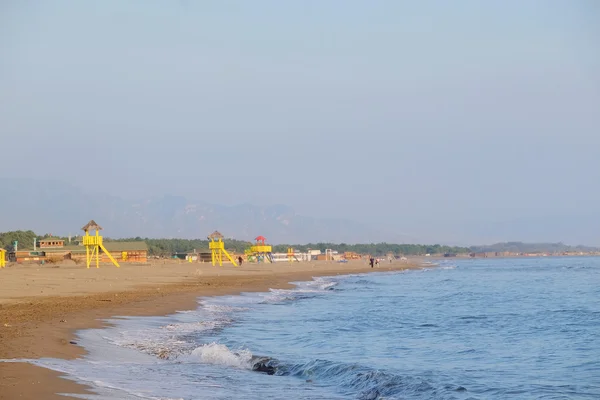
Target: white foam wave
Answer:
[[165, 341], [200, 326], [302, 290], [322, 283], [170, 338], [222, 309], [219, 354], [158, 348], [327, 285], [281, 295]]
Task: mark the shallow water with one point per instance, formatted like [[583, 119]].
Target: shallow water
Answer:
[[470, 329]]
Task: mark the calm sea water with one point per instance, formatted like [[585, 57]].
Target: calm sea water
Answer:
[[473, 329]]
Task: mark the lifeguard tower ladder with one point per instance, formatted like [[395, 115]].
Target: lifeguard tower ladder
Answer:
[[291, 254], [2, 258], [93, 245], [217, 249], [261, 251]]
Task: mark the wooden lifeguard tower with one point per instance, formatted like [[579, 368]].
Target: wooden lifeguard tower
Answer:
[[93, 245], [2, 258], [217, 249]]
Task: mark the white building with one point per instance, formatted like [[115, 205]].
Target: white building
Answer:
[[283, 257]]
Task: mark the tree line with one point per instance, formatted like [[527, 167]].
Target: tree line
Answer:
[[24, 239], [377, 249], [167, 247]]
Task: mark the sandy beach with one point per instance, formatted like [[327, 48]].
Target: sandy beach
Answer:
[[42, 306]]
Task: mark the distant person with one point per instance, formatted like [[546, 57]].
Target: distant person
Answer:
[[240, 260], [371, 261], [377, 262]]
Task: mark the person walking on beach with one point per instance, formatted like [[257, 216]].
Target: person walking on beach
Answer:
[[240, 260], [377, 262], [371, 261]]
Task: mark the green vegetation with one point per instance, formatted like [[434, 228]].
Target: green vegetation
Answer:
[[24, 239], [377, 249], [164, 247]]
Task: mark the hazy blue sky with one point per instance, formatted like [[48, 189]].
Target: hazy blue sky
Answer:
[[439, 119]]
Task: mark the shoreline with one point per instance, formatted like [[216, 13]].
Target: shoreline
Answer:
[[41, 325]]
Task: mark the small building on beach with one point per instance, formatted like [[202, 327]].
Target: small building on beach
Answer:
[[50, 242], [136, 251]]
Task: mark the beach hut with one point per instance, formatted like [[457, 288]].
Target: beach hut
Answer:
[[50, 242]]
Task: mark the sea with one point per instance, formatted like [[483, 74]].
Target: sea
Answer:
[[460, 329]]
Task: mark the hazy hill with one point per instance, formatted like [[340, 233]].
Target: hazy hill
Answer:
[[519, 247], [61, 209]]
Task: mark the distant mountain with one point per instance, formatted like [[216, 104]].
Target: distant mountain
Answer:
[[60, 208], [576, 228], [519, 247]]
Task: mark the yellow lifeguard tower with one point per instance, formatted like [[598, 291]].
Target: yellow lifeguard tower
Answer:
[[93, 244], [217, 249], [260, 251], [2, 258]]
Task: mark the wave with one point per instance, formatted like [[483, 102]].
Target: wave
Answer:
[[179, 335], [167, 341], [200, 326], [319, 284], [447, 267], [170, 340], [219, 354], [222, 309], [357, 380], [303, 290]]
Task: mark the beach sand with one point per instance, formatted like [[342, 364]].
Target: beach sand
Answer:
[[42, 306]]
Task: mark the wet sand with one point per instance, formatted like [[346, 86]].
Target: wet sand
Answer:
[[42, 306]]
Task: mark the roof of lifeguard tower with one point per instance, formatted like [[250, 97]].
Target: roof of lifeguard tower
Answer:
[[216, 235], [91, 225], [260, 238]]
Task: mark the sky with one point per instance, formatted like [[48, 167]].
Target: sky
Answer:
[[463, 121]]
